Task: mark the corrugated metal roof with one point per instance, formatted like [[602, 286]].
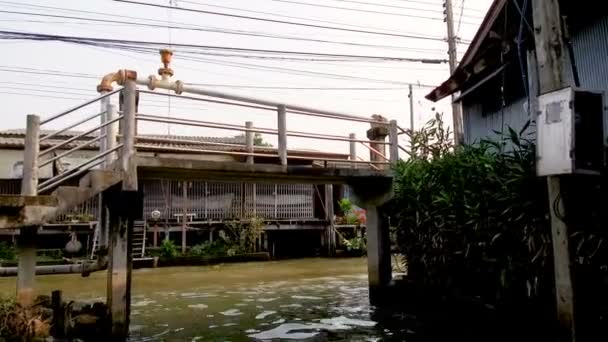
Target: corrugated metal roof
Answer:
[[15, 139]]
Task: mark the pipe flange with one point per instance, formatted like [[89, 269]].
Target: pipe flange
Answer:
[[179, 87], [152, 81]]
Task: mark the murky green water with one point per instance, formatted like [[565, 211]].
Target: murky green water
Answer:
[[303, 300]]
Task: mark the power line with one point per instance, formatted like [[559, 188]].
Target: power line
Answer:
[[294, 17], [282, 21], [125, 43], [399, 7], [359, 10], [204, 30], [60, 73]]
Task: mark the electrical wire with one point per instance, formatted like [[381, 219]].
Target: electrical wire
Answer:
[[213, 30], [359, 10], [125, 43], [283, 21]]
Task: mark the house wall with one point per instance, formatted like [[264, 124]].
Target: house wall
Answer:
[[11, 162], [591, 57]]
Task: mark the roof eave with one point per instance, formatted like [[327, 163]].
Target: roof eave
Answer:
[[460, 75]]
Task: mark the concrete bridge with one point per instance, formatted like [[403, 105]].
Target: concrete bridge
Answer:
[[114, 172]]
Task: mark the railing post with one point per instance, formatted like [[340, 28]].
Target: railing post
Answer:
[[26, 242], [111, 133], [128, 158], [103, 104], [29, 183], [393, 138], [353, 149], [249, 140], [282, 128]]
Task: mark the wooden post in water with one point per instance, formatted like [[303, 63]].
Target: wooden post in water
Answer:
[[26, 242]]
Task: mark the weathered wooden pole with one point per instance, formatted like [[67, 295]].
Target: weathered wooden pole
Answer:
[[552, 75], [26, 242], [121, 221], [453, 59], [282, 129]]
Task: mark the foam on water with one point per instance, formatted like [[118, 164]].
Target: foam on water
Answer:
[[264, 314], [198, 306], [231, 312], [300, 331]]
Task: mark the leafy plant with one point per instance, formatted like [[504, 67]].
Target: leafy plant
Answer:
[[473, 217], [7, 252], [350, 217], [356, 244], [168, 249], [244, 235]]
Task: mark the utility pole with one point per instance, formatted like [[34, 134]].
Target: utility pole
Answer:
[[453, 58], [411, 96], [552, 75]]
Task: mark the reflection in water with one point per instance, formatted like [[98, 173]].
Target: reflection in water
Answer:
[[305, 300]]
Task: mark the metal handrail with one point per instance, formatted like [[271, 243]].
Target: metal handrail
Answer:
[[373, 150], [238, 127], [81, 171], [268, 105], [188, 122], [51, 149], [57, 116], [64, 176], [43, 138], [89, 142]]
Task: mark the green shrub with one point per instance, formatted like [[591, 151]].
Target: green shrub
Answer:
[[473, 217], [168, 250], [7, 252], [210, 249]]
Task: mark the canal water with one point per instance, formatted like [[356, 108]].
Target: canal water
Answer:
[[293, 300]]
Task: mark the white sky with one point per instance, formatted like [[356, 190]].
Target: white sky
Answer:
[[23, 93]]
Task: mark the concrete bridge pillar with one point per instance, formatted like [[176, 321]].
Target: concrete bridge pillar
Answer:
[[373, 195], [121, 219], [26, 274]]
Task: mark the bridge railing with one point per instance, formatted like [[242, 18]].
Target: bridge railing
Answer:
[[111, 147], [36, 158], [378, 159]]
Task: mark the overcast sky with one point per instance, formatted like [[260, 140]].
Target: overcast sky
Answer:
[[48, 77]]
